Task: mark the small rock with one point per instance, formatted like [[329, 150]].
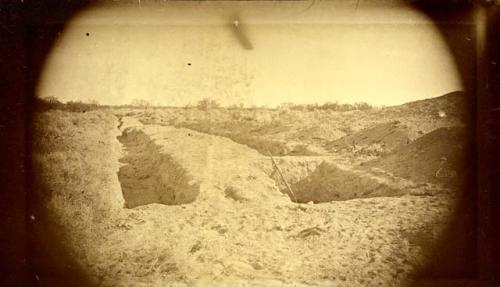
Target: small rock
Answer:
[[313, 231], [195, 247], [256, 266]]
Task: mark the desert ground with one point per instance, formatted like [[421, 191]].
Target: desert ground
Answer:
[[245, 197]]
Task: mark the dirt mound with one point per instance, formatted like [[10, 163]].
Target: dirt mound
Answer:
[[386, 137], [150, 176], [424, 116], [329, 182], [197, 165], [439, 156], [454, 105], [320, 132]]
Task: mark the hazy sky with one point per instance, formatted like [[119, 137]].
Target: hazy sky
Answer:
[[178, 53]]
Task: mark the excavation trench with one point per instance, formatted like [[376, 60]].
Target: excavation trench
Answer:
[[150, 176], [324, 182]]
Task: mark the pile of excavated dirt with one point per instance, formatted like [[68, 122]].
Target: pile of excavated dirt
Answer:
[[437, 157], [452, 107], [320, 132], [424, 116], [177, 165], [387, 136]]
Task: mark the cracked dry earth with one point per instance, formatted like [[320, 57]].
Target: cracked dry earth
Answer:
[[229, 223]]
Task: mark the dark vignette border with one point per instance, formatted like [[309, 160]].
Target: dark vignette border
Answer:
[[29, 28]]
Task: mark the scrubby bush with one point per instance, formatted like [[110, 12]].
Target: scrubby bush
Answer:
[[301, 149], [52, 103], [141, 103], [363, 106], [52, 100], [79, 106], [332, 106], [236, 106], [207, 104], [44, 104], [235, 115]]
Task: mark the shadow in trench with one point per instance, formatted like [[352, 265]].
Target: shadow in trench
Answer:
[[150, 176]]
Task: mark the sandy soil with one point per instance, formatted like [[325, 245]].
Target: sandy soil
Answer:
[[231, 223]]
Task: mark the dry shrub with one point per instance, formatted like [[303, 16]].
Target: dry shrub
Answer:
[[75, 190], [207, 104], [71, 106], [301, 149], [332, 106]]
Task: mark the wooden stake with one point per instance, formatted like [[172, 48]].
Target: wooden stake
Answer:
[[283, 178]]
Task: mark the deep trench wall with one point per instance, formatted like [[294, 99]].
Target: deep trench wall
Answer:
[[329, 182], [150, 176], [293, 169]]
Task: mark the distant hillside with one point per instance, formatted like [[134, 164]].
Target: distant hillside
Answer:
[[424, 116], [366, 132], [454, 105]]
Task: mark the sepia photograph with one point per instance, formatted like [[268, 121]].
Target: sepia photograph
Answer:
[[256, 143]]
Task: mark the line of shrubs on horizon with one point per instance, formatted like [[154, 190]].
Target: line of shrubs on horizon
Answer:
[[207, 104], [52, 103], [335, 106], [204, 105]]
